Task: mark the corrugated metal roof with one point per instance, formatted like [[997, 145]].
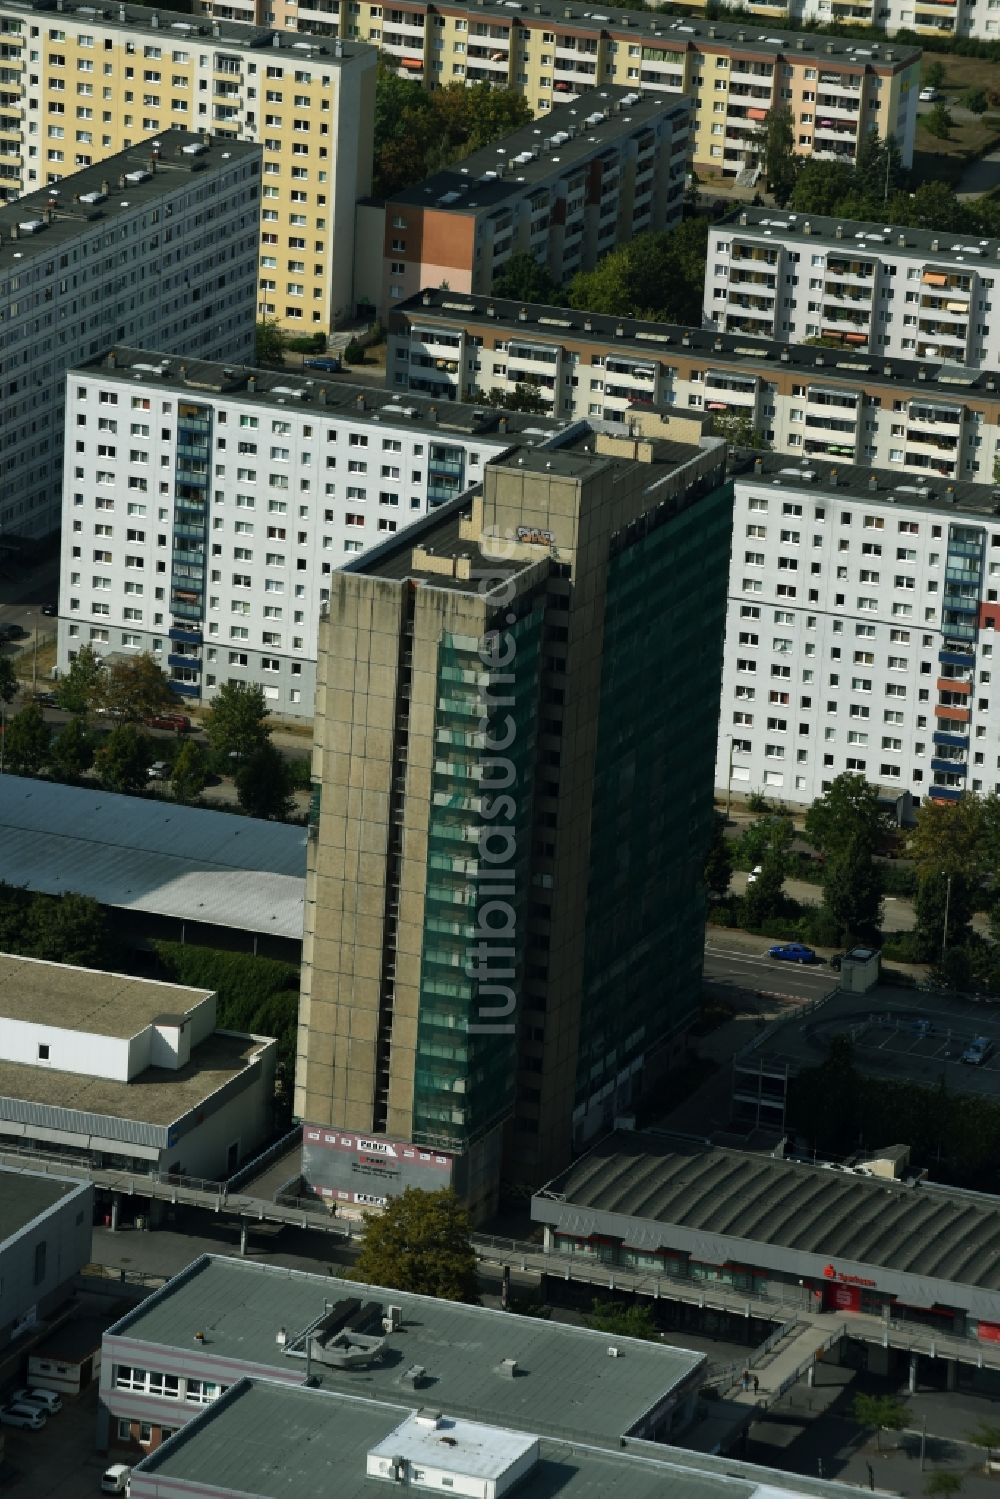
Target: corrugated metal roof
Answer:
[[154, 856], [951, 1235]]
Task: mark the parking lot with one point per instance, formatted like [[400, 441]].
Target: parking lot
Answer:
[[918, 1040], [59, 1462]]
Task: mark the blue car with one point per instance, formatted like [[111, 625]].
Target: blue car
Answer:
[[793, 952]]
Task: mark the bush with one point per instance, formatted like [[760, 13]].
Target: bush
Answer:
[[313, 343], [902, 947], [975, 99], [354, 353], [898, 879], [818, 928]]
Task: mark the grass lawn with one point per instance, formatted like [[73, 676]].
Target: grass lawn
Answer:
[[961, 73], [944, 159]]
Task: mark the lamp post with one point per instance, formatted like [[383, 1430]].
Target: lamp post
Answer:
[[729, 779], [947, 908]]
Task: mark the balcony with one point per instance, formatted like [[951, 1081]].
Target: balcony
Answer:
[[185, 636], [949, 767]]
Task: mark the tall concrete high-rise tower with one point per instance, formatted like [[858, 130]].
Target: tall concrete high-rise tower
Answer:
[[516, 713]]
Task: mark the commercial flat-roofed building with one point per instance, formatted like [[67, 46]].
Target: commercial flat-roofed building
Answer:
[[45, 1227], [838, 89], [262, 1440], [261, 483], [565, 190], [861, 632], [913, 293], [157, 241], [488, 978], [164, 871], [807, 401], [809, 1234], [221, 1319], [307, 98], [127, 1072]]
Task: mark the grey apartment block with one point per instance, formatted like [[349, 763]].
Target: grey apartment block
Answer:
[[157, 242]]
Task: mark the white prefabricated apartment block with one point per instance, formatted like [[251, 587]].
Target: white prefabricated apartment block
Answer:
[[861, 634], [929, 418], [205, 508], [158, 242], [914, 293]]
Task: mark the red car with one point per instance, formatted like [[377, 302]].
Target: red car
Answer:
[[178, 722]]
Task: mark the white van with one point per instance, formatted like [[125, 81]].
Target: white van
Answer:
[[46, 1400], [115, 1479]]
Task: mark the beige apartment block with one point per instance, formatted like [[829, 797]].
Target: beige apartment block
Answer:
[[734, 71], [78, 83], [488, 979]]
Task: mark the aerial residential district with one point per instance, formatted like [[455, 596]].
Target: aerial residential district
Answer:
[[499, 755]]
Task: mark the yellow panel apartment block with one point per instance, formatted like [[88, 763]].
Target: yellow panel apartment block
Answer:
[[733, 72], [78, 84]]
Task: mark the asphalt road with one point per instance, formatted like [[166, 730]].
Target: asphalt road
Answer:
[[747, 970]]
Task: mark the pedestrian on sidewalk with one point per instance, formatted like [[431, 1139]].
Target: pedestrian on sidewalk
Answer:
[[745, 1379], [756, 1385]]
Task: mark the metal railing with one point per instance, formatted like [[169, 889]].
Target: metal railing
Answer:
[[266, 1157]]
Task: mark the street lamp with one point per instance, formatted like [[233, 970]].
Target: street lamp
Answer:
[[729, 779], [947, 908]]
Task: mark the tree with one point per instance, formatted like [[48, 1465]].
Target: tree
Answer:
[[269, 342], [420, 1243], [134, 688], [878, 168], [236, 719], [79, 690], [659, 276], [850, 808], [852, 891], [975, 100], [880, 1412], [938, 893], [122, 762], [264, 784], [8, 680], [942, 1482], [525, 279], [71, 752], [821, 186], [950, 837], [67, 929], [938, 121], [526, 397], [738, 429], [718, 861], [190, 772], [764, 898], [623, 1321], [932, 205], [987, 1436], [933, 75], [26, 742], [774, 142], [764, 832]]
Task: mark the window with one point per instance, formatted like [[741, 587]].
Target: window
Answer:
[[41, 1251]]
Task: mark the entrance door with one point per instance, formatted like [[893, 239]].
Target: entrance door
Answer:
[[232, 1158]]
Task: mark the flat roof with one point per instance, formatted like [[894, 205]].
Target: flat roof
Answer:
[[141, 854], [268, 1441], [673, 343], [474, 183], [330, 395], [565, 1382], [60, 213], [707, 1190], [26, 1195], [174, 26], [838, 479], [88, 999], [860, 237], [156, 1097], [898, 1034]]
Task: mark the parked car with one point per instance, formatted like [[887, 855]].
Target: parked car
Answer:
[[977, 1051], [31, 1417], [46, 1400], [15, 632], [755, 874], [159, 770], [929, 95], [331, 363], [115, 1479], [178, 722], [50, 609], [793, 952], [46, 699]]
